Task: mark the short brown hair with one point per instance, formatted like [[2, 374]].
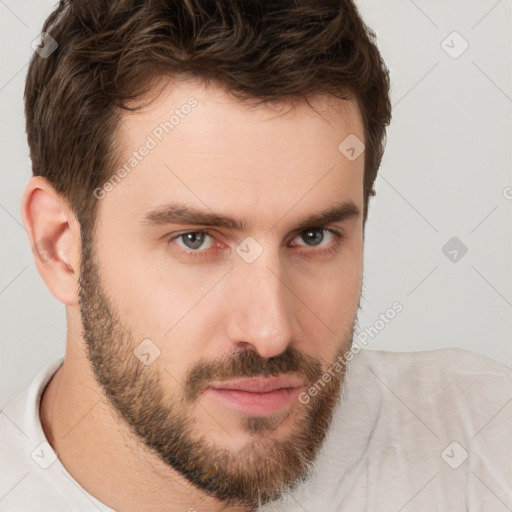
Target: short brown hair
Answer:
[[109, 52]]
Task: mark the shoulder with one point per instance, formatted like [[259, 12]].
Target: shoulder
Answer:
[[454, 359], [451, 390], [433, 368], [24, 456], [410, 421], [31, 475]]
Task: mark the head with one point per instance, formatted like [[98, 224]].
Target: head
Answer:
[[202, 219]]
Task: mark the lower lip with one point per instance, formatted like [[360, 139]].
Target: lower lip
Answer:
[[256, 403]]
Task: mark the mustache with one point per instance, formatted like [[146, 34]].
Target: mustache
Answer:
[[248, 363]]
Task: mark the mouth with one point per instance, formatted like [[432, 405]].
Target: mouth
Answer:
[[257, 396]]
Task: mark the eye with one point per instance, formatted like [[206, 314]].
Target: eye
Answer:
[[197, 243], [193, 240], [316, 235]]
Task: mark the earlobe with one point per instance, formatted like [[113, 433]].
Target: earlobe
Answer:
[[54, 235]]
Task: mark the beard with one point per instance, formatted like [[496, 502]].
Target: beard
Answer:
[[265, 467]]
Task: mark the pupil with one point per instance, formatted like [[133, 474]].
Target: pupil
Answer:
[[194, 240], [316, 237]]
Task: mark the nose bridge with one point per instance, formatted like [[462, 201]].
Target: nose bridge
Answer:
[[262, 305]]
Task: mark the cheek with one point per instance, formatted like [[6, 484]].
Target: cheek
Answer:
[[332, 298], [335, 297], [151, 292], [161, 302], [336, 282], [168, 312]]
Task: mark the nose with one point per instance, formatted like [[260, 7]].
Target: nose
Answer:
[[263, 308]]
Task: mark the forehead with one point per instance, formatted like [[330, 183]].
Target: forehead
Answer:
[[201, 145]]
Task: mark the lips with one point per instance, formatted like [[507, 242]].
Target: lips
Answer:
[[256, 396], [259, 384]]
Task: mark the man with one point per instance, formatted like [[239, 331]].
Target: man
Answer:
[[202, 173]]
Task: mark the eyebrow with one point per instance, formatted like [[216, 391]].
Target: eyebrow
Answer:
[[180, 213]]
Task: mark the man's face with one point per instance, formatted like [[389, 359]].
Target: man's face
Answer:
[[172, 308]]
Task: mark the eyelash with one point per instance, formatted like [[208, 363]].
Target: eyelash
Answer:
[[203, 253]]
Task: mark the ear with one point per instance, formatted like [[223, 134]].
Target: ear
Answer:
[[54, 235]]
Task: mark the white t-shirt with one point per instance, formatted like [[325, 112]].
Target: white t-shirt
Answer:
[[416, 431]]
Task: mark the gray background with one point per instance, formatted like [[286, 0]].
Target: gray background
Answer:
[[445, 173]]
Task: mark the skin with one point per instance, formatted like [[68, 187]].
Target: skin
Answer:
[[147, 437]]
